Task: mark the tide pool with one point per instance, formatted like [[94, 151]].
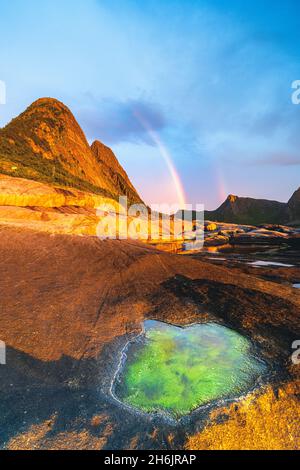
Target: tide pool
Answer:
[[175, 370]]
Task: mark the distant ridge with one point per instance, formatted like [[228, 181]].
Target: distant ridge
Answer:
[[246, 210], [45, 143], [250, 211]]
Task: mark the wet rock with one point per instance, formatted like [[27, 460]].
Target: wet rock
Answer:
[[216, 240], [277, 228], [211, 227], [259, 236]]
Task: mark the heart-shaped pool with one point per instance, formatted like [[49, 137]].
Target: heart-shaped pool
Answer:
[[175, 370]]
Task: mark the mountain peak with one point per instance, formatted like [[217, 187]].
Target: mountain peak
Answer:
[[297, 191], [42, 117], [232, 198], [295, 197], [47, 100], [47, 144], [246, 210], [293, 207], [49, 107], [111, 167], [102, 152]]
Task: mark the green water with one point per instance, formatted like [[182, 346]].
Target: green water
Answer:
[[176, 370]]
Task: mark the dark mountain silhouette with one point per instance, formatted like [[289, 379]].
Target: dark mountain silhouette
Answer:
[[250, 211], [293, 208], [245, 210]]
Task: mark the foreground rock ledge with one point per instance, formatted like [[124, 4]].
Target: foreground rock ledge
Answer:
[[66, 299]]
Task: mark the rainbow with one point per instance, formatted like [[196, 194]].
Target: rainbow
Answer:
[[220, 183], [166, 157]]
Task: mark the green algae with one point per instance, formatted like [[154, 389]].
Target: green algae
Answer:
[[176, 370]]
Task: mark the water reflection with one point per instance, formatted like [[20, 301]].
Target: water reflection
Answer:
[[270, 263]]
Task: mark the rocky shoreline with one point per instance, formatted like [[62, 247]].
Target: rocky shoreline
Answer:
[[221, 234]]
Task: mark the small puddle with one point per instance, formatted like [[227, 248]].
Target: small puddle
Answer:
[[270, 263], [173, 370], [297, 286]]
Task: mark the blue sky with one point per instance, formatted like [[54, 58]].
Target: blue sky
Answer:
[[211, 78]]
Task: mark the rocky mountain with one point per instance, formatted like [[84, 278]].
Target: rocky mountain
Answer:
[[293, 208], [45, 143], [113, 171], [245, 210], [250, 211]]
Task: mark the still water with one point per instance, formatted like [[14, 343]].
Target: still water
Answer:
[[175, 370], [270, 263]]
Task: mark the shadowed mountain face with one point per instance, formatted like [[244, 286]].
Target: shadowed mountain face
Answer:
[[250, 211], [244, 210], [293, 208], [45, 143]]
